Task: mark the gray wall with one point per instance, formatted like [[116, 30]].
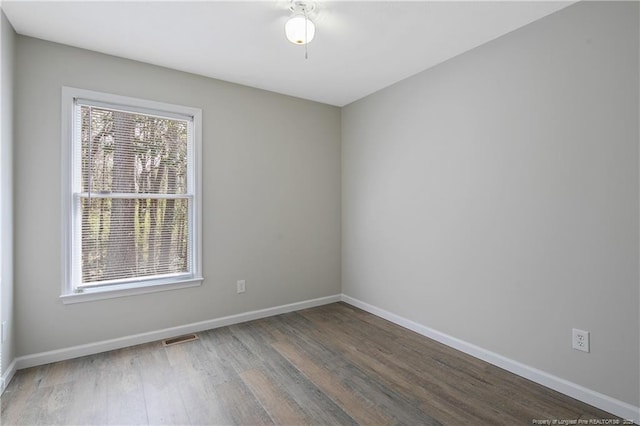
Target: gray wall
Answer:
[[271, 198], [495, 197], [6, 188]]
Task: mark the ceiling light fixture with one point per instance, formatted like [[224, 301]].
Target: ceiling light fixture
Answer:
[[299, 29]]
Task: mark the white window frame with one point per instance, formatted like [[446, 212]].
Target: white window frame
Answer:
[[71, 268]]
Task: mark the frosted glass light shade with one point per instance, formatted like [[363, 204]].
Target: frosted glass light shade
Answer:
[[294, 29]]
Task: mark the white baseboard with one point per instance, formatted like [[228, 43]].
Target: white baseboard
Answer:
[[7, 375], [604, 402], [152, 336]]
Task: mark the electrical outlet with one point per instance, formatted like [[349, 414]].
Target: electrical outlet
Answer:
[[580, 340], [241, 286]]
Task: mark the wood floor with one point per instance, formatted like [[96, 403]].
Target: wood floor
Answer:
[[333, 365]]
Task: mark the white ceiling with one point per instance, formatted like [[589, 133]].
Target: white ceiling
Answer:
[[360, 47]]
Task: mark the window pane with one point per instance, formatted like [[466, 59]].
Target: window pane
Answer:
[[133, 237], [132, 153]]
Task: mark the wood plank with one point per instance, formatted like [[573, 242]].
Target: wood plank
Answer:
[[242, 407], [362, 411], [48, 405], [17, 395], [161, 395], [202, 402], [280, 407], [92, 410], [125, 394], [313, 403]]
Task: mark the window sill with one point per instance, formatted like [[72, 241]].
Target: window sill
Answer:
[[90, 295]]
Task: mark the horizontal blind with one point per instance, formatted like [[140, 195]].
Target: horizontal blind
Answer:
[[132, 198]]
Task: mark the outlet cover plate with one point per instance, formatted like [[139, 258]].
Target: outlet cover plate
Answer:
[[580, 340]]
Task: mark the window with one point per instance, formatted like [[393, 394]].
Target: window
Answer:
[[132, 195]]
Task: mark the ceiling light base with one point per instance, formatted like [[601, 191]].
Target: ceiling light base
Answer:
[[302, 7]]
